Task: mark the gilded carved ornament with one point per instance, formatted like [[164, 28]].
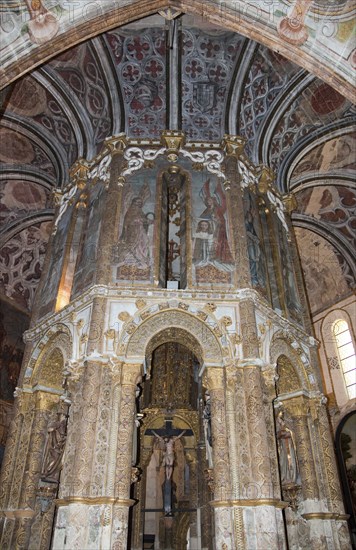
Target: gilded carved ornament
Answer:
[[296, 406], [78, 173], [140, 303], [116, 144], [234, 145], [214, 378], [124, 316]]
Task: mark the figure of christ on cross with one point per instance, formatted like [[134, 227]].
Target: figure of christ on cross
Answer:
[[168, 436]]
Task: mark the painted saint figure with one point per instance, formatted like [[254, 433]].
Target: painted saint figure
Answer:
[[215, 214], [133, 247], [168, 456], [203, 243], [288, 461]]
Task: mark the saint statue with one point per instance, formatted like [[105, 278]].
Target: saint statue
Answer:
[[288, 461], [56, 438], [168, 456]]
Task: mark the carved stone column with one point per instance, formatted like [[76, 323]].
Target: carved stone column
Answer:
[[79, 505], [223, 513], [334, 520], [131, 376], [26, 471], [263, 507]]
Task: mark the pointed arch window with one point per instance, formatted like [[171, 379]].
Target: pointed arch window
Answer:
[[346, 353]]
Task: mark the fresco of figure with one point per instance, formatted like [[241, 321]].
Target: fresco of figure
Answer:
[[214, 214], [258, 276], [203, 242], [134, 247]]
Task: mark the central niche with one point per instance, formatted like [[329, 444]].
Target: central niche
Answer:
[[173, 381], [172, 492]]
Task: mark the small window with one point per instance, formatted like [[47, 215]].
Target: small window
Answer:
[[346, 353]]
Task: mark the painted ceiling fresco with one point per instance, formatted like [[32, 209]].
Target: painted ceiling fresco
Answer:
[[318, 30], [142, 78]]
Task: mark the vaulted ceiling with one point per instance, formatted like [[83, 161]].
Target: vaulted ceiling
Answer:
[[191, 74]]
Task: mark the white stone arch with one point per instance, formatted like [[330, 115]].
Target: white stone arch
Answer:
[[212, 351]]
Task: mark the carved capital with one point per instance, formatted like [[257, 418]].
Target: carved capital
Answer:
[[46, 401], [270, 378], [290, 203], [214, 377], [172, 140], [296, 407], [266, 179], [131, 374]]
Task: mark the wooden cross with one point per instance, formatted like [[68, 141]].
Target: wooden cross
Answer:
[[168, 430]]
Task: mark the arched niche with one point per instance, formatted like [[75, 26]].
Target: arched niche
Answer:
[[55, 350], [173, 322], [291, 371]]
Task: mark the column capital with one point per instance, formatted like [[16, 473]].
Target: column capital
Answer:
[[297, 406], [131, 374], [45, 401], [214, 378]]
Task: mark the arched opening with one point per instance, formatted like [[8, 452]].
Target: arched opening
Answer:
[[172, 493]]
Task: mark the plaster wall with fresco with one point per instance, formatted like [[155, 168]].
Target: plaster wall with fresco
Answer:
[[177, 269]]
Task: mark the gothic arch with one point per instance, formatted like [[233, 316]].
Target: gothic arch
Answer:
[[171, 320]]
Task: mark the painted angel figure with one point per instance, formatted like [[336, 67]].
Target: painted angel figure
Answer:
[[133, 247]]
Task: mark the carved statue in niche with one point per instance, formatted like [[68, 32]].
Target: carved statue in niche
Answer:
[[207, 429], [288, 462], [56, 438]]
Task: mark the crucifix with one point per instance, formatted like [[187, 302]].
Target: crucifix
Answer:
[[168, 436]]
